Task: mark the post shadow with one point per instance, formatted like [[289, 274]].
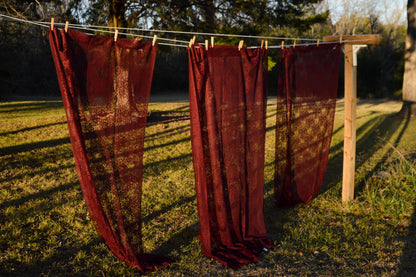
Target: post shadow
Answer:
[[384, 126], [392, 121]]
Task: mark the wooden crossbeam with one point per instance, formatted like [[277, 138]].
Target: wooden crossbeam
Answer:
[[350, 106], [359, 39]]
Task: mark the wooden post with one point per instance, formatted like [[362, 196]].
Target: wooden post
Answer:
[[350, 107], [350, 104]]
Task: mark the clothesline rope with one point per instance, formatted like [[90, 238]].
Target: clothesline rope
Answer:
[[88, 27], [173, 42], [329, 42], [127, 34], [83, 27], [191, 33]]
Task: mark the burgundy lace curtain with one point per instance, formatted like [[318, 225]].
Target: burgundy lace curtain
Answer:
[[227, 90], [105, 87], [308, 81]]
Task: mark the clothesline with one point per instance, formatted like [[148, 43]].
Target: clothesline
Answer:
[[194, 33], [173, 42], [232, 228]]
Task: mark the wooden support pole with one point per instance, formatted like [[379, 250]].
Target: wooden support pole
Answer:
[[350, 106]]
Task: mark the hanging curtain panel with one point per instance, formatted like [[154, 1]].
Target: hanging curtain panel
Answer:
[[105, 87], [227, 89], [306, 99]]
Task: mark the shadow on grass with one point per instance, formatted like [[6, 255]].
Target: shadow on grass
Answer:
[[181, 202], [276, 217], [369, 142], [61, 259], [30, 106], [31, 128], [34, 241], [177, 241], [33, 146], [408, 258], [386, 131], [37, 195], [185, 159], [378, 132], [168, 132], [168, 116], [158, 119]]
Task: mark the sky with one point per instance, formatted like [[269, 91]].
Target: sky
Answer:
[[386, 8]]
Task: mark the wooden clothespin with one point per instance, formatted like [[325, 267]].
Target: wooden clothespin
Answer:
[[115, 35], [190, 43], [52, 22], [262, 42], [283, 43], [294, 43], [240, 45], [193, 40], [212, 42], [154, 40], [66, 26], [206, 44], [317, 42], [340, 39], [266, 43]]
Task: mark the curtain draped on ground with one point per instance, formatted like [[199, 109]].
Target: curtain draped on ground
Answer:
[[227, 90], [105, 87], [308, 81]]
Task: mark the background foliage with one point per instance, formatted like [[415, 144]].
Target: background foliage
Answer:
[[26, 66]]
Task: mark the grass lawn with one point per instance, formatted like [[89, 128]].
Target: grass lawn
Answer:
[[45, 228]]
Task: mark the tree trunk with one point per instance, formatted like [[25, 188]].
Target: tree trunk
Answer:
[[117, 14], [208, 15], [409, 78]]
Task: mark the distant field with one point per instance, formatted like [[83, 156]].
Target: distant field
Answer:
[[45, 228]]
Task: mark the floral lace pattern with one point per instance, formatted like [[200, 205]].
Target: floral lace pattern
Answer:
[[306, 100], [105, 88]]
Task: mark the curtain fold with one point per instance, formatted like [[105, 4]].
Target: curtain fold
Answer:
[[105, 87], [306, 99], [227, 90]]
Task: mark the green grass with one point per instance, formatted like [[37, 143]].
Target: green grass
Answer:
[[45, 228]]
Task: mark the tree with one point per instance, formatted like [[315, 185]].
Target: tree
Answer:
[[380, 70], [41, 9], [280, 17], [409, 77], [26, 66], [238, 16]]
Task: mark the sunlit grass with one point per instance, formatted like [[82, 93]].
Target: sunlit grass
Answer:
[[45, 228]]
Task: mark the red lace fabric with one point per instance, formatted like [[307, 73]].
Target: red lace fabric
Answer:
[[105, 88], [306, 99], [227, 104]]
